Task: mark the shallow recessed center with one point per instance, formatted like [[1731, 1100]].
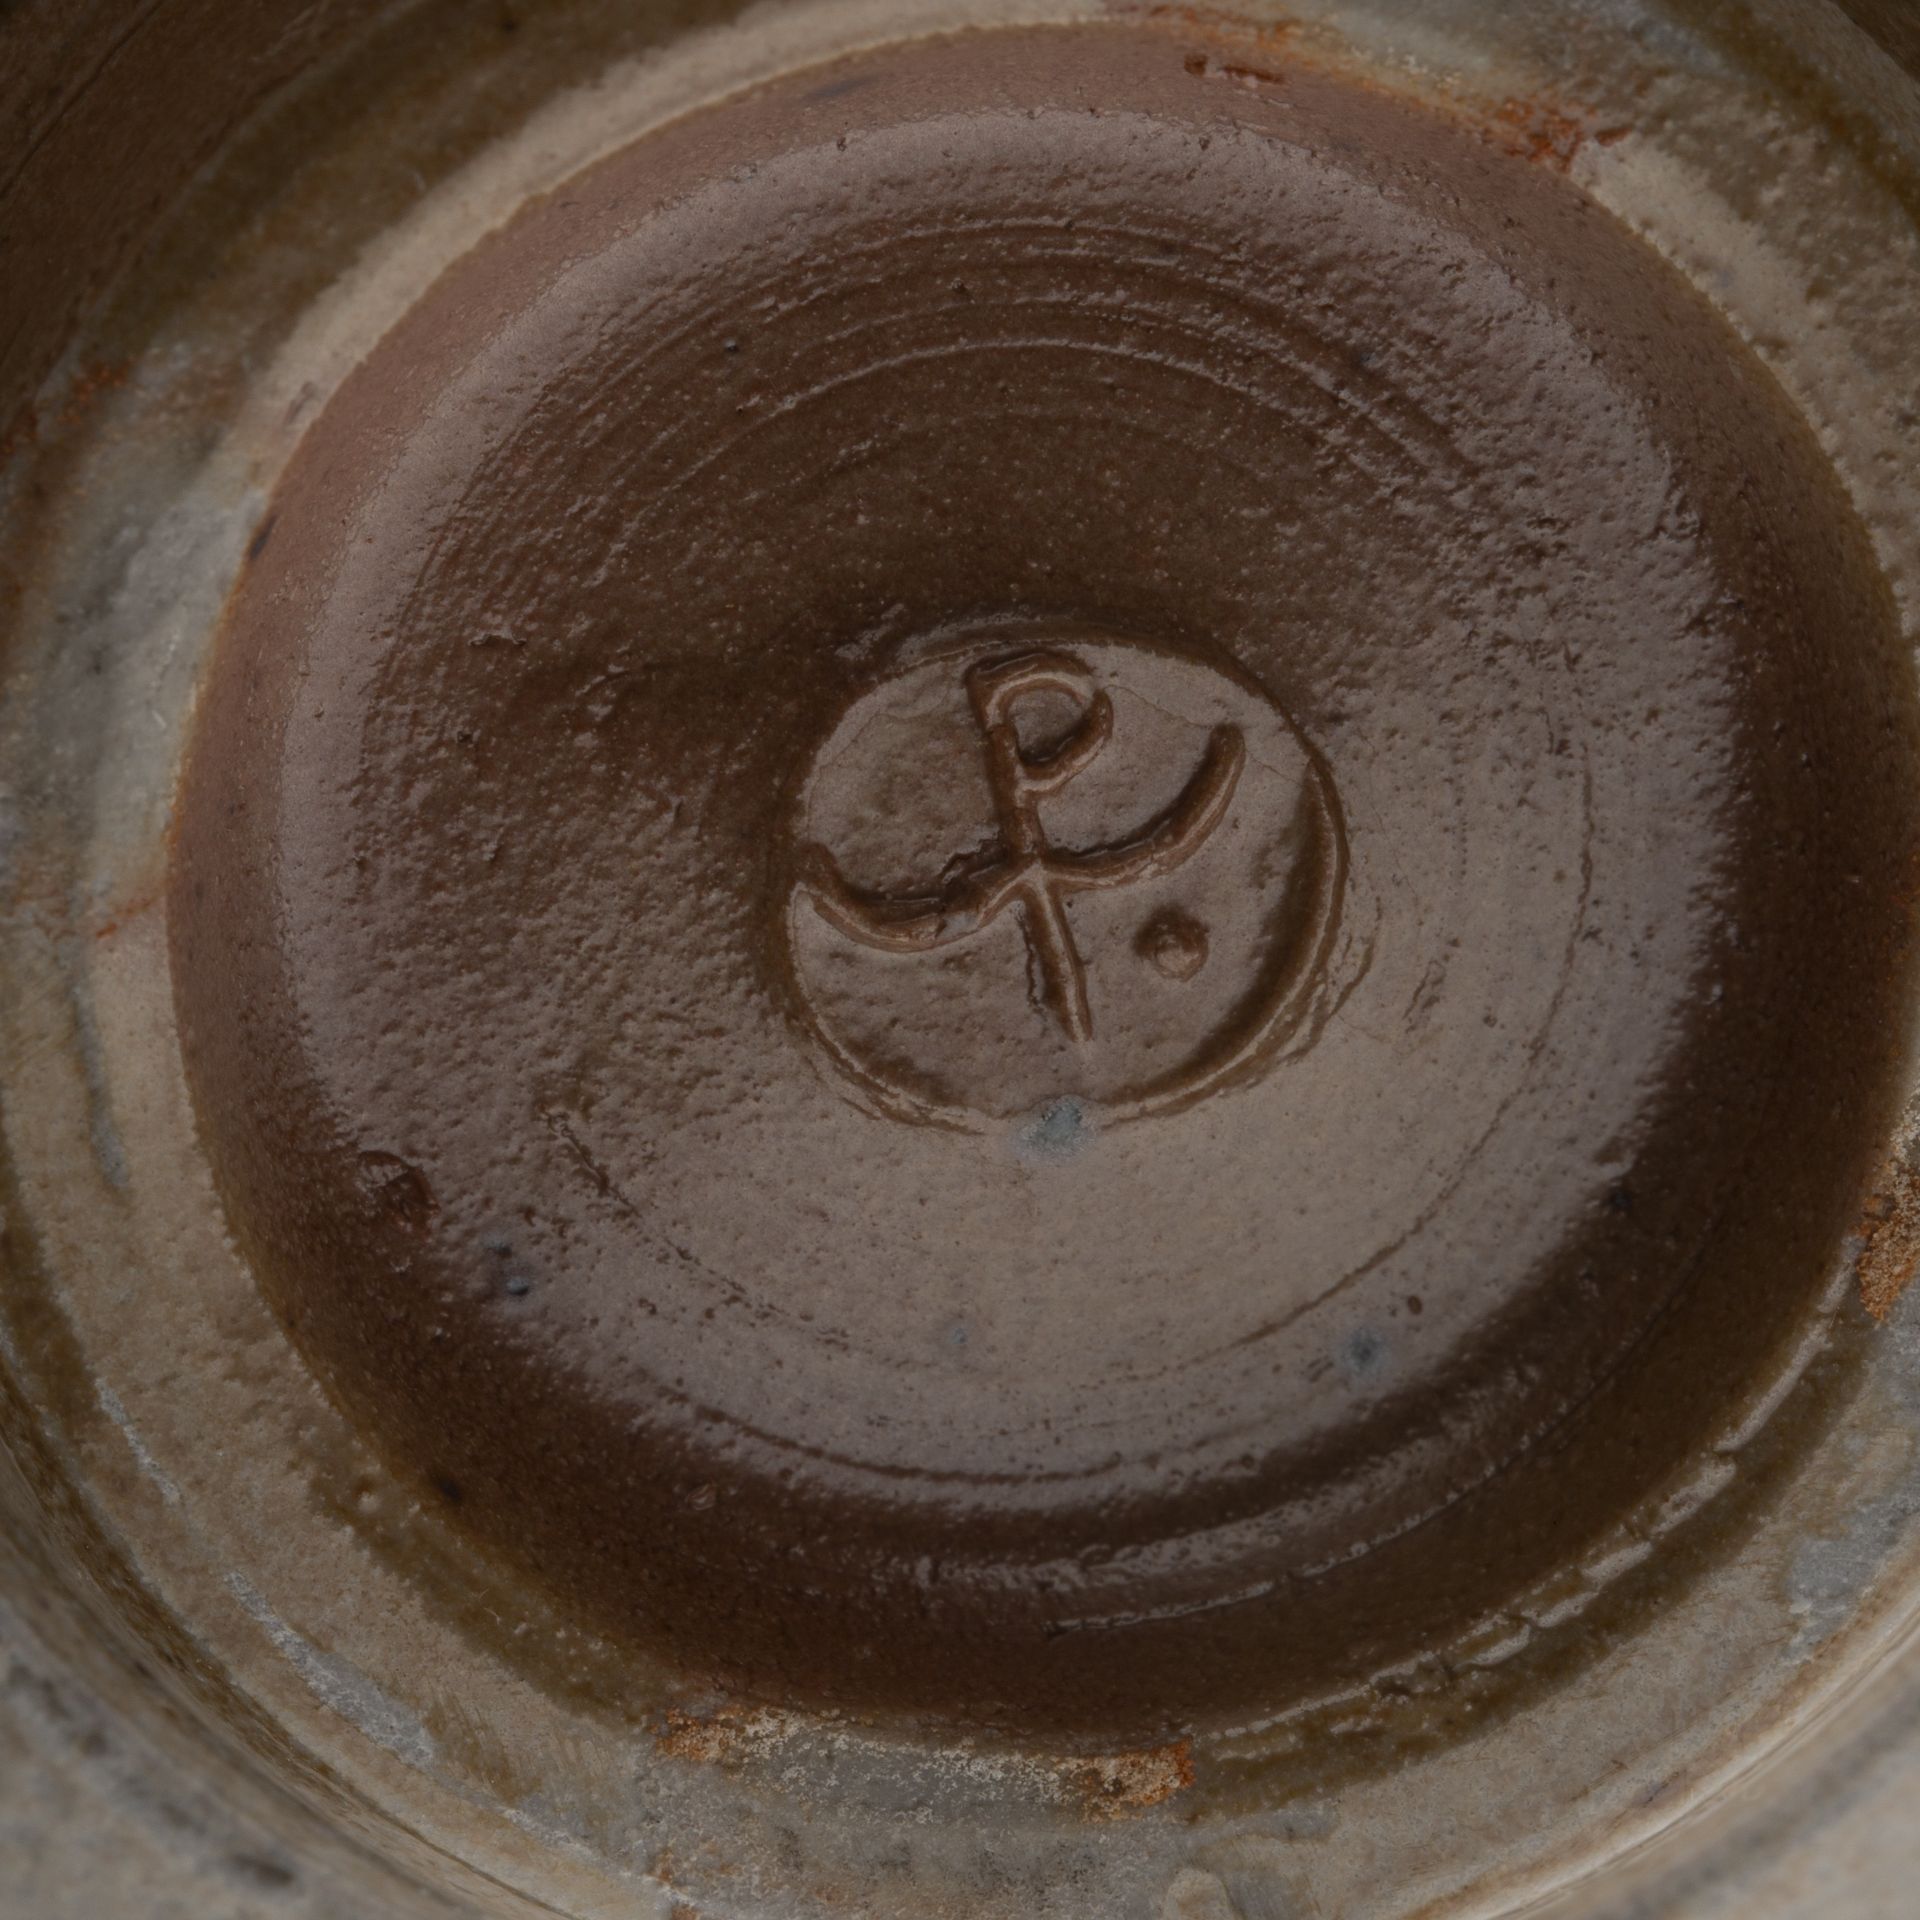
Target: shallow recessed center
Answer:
[[1060, 876], [1024, 887]]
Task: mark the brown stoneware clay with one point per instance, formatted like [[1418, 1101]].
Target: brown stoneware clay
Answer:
[[1025, 891]]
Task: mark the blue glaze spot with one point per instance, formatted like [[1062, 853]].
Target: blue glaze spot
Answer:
[[1057, 1132], [1364, 1353]]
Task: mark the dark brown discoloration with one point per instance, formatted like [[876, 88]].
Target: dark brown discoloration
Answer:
[[1090, 1415], [103, 112]]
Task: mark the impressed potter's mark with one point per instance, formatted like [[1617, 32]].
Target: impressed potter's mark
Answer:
[[1024, 870], [1093, 870]]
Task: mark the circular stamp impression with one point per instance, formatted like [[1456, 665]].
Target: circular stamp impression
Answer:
[[1063, 866]]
